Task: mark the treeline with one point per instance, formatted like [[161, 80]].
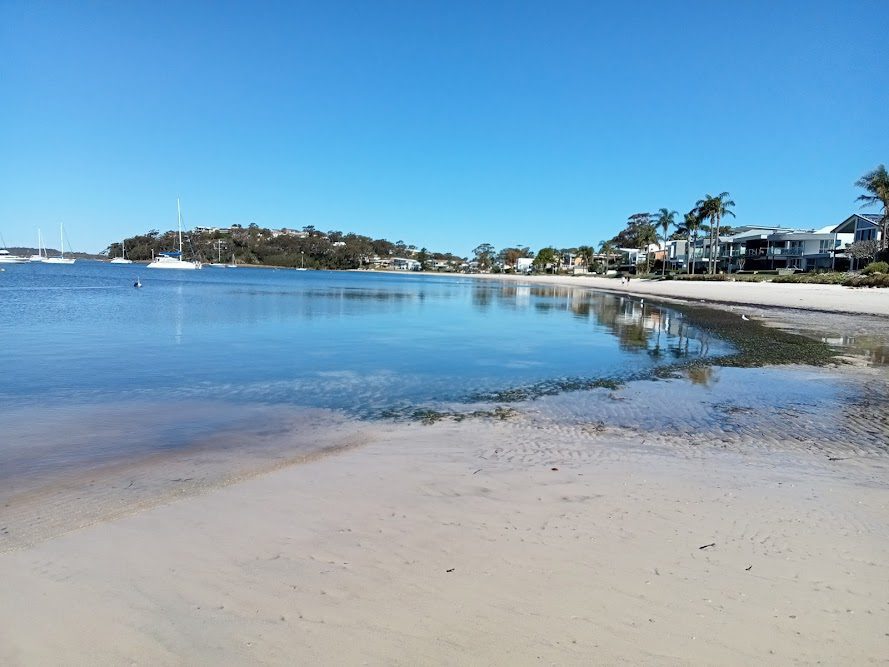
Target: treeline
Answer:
[[309, 247], [641, 231]]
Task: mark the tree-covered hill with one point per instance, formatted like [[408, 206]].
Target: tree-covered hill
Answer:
[[307, 247]]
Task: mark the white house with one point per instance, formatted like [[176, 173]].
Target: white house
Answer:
[[524, 264], [402, 264]]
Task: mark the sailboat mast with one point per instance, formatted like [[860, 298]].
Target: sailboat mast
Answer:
[[179, 216], [62, 240]]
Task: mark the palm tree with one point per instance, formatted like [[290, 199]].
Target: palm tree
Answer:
[[692, 224], [715, 208], [876, 183], [665, 219], [586, 253], [647, 236], [607, 248]]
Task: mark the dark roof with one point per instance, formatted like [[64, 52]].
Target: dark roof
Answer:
[[873, 217]]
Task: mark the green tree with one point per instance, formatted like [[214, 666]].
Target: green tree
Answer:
[[876, 183], [647, 236], [665, 219], [484, 255], [423, 258], [608, 249], [715, 208], [586, 253], [545, 256], [693, 224]]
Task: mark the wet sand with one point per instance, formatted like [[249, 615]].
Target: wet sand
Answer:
[[477, 543]]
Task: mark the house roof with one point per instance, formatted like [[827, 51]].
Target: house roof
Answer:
[[848, 225]]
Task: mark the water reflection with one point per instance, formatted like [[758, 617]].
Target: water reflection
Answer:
[[637, 326], [874, 351]]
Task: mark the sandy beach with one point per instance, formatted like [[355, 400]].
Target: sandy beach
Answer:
[[536, 539], [824, 298], [477, 543]]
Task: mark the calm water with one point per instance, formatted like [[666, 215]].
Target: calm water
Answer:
[[77, 338]]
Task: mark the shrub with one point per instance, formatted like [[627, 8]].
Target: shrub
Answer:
[[814, 278], [873, 280], [875, 267]]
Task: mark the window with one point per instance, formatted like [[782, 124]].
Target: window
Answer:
[[826, 245]]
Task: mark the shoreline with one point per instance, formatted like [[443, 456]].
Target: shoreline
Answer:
[[807, 297]]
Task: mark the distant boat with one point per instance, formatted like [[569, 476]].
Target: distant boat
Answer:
[[234, 263], [302, 266], [7, 258], [123, 256], [173, 260], [61, 259], [218, 263], [41, 255]]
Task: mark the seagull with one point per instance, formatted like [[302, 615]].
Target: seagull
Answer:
[[745, 318]]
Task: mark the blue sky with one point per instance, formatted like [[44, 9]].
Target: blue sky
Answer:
[[444, 124]]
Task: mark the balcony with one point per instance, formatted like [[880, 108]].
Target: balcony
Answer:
[[786, 252]]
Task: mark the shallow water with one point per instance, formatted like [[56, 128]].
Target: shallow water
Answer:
[[95, 371], [353, 341]]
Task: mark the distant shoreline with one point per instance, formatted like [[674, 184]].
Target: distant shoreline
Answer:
[[809, 297]]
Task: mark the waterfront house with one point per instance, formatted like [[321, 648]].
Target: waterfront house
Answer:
[[763, 248], [862, 227], [524, 264], [403, 264]]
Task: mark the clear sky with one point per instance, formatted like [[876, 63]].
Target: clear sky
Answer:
[[443, 124]]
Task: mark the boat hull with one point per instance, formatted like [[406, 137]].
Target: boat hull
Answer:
[[59, 260], [175, 266], [120, 260]]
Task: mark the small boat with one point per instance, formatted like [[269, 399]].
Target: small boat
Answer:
[[7, 258], [302, 266], [218, 263], [173, 260], [41, 255], [61, 259], [233, 264], [123, 256]]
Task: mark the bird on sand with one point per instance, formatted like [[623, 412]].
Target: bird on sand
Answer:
[[745, 318]]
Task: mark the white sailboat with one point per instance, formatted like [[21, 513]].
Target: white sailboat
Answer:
[[173, 260], [218, 263], [233, 264], [61, 259], [123, 256], [41, 255], [302, 266]]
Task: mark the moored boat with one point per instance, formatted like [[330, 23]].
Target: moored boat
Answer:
[[61, 259], [173, 260]]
